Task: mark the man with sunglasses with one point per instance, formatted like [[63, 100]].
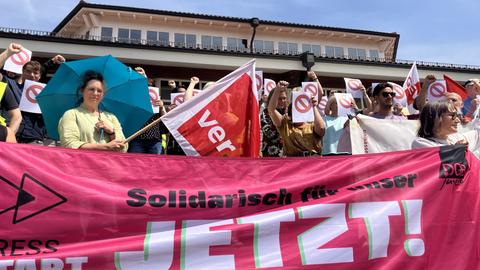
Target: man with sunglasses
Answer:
[[383, 95]]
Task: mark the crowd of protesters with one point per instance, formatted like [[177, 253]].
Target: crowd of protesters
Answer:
[[87, 127]]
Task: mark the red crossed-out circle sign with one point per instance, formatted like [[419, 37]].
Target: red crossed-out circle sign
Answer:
[[346, 102], [437, 89], [312, 89], [323, 103], [302, 103], [269, 87], [259, 81], [20, 58], [355, 85], [178, 99], [153, 95], [32, 93], [399, 91]]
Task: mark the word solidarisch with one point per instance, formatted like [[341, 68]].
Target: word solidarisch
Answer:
[[329, 221], [182, 199]]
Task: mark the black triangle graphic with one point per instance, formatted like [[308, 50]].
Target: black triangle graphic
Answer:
[[24, 198], [26, 175]]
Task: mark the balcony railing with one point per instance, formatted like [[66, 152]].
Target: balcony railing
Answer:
[[209, 47]]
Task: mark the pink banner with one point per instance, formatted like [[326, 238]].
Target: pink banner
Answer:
[[72, 209]]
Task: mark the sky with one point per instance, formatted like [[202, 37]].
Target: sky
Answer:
[[433, 31]]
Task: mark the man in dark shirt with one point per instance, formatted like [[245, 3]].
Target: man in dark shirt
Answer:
[[9, 104], [32, 128]]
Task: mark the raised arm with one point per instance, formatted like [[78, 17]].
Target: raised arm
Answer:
[[189, 93], [12, 49], [312, 76], [421, 99], [272, 104], [319, 124], [367, 99]]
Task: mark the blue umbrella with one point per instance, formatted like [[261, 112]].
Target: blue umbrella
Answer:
[[126, 97]]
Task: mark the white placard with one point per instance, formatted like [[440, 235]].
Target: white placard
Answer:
[[268, 86], [176, 98], [28, 101], [344, 103], [259, 79], [400, 96], [15, 62], [322, 104], [436, 90], [354, 87], [310, 88], [154, 93], [302, 109]]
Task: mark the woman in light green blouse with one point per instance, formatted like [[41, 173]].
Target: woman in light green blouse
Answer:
[[86, 127]]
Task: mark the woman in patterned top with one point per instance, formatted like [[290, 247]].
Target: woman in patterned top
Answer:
[[272, 145]]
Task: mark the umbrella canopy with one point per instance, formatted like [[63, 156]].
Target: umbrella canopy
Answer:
[[126, 93]]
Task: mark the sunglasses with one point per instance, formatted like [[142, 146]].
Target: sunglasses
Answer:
[[387, 94], [453, 115]]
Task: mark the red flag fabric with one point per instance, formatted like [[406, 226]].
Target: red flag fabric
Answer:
[[221, 121], [412, 84], [454, 87], [86, 210]]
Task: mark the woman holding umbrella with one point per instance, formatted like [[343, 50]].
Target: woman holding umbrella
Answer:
[[86, 127]]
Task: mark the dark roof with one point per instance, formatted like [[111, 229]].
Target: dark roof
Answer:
[[83, 4]]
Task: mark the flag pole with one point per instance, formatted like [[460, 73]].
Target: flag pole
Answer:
[[147, 127]]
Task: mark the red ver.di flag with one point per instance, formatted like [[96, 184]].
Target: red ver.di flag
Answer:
[[28, 101], [302, 109], [454, 87], [412, 84], [15, 62], [354, 87], [222, 120]]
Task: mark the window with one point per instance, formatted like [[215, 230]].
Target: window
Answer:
[[185, 40], [152, 37], [355, 53], [373, 54], [210, 42], [263, 46], [331, 51], [129, 35], [164, 38], [287, 48], [158, 38], [106, 34], [236, 44], [315, 49]]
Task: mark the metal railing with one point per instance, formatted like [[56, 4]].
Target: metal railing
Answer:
[[209, 47]]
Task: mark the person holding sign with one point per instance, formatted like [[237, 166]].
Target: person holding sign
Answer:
[[438, 126], [299, 139], [272, 145], [383, 94], [32, 128], [86, 127], [150, 142]]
